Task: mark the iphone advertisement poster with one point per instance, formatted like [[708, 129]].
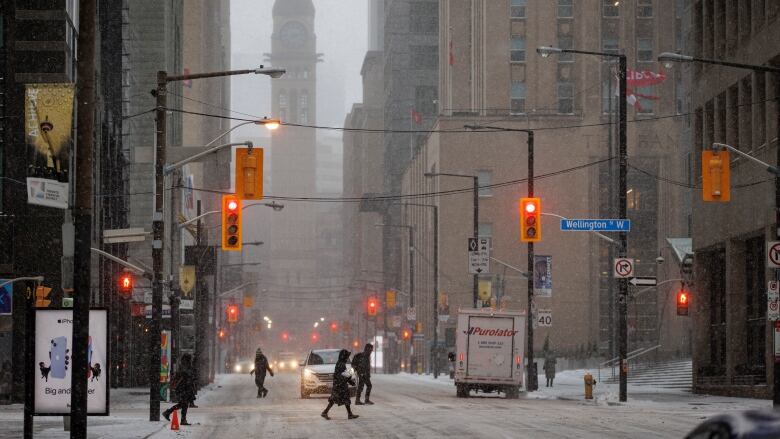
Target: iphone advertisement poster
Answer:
[[54, 359]]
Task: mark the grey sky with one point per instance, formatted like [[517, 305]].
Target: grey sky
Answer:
[[341, 28]]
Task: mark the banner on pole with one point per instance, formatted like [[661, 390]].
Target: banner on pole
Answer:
[[542, 276]]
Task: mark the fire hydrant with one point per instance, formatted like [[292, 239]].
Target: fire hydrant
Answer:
[[589, 383]]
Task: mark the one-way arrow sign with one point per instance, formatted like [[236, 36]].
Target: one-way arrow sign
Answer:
[[643, 281]]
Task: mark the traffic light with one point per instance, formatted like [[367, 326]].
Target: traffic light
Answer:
[[314, 337], [530, 220], [334, 326], [715, 176], [355, 344], [231, 223], [232, 313], [249, 173], [285, 337], [683, 299], [222, 334], [126, 284], [41, 296], [407, 334], [372, 306]]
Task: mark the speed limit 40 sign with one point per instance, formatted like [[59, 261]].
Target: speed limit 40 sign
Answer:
[[544, 317]]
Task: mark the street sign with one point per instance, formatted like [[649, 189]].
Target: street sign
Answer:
[[777, 340], [116, 236], [479, 255], [396, 321], [773, 254], [596, 225], [544, 317], [186, 280], [623, 268], [773, 302], [186, 304], [411, 314], [644, 281]]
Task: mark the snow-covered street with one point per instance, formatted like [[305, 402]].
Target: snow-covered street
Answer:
[[406, 406]]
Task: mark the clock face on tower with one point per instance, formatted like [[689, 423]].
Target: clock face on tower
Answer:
[[293, 34]]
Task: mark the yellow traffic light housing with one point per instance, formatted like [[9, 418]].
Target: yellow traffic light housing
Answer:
[[231, 223], [715, 176], [249, 173], [530, 220]]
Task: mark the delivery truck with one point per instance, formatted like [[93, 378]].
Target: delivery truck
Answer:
[[490, 350]]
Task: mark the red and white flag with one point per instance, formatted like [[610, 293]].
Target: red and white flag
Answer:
[[637, 79], [416, 116], [452, 55]]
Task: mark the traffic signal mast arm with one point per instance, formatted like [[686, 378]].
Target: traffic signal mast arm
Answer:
[[124, 263], [170, 168], [771, 169]]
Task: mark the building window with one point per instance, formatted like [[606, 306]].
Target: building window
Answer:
[[609, 44], [644, 8], [518, 97], [715, 263], [565, 98], [485, 178], [755, 289], [644, 50], [645, 99], [565, 42], [610, 8], [565, 9], [517, 10], [518, 49], [608, 90], [304, 99], [304, 116], [282, 99]]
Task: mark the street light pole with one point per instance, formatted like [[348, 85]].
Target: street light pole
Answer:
[[668, 57], [158, 226], [622, 211]]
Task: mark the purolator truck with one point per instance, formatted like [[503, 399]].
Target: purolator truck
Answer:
[[490, 347]]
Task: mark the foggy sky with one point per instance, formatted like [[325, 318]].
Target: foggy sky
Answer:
[[341, 27]]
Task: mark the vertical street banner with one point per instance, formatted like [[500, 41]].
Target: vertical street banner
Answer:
[[6, 298], [48, 126], [542, 276], [165, 364], [53, 351], [48, 123]]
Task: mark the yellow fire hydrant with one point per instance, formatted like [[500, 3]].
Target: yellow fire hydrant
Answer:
[[589, 383]]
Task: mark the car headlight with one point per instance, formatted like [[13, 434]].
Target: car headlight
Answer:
[[307, 373], [281, 365], [237, 368]]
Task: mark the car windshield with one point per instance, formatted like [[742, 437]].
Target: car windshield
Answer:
[[323, 357]]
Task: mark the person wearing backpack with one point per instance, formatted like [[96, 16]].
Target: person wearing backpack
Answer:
[[183, 385], [361, 362]]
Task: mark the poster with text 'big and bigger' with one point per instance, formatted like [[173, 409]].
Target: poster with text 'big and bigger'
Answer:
[[54, 361]]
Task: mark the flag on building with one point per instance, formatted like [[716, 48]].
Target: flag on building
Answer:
[[416, 116]]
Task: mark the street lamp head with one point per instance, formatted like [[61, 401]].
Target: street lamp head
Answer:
[[668, 58], [273, 73], [430, 174], [546, 51], [271, 124], [275, 206]]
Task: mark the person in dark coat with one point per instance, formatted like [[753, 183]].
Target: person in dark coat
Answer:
[[549, 369], [183, 384], [362, 365], [261, 367], [341, 382]]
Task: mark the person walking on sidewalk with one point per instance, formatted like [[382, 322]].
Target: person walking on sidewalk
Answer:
[[183, 385], [342, 379], [362, 365], [549, 369], [261, 367]]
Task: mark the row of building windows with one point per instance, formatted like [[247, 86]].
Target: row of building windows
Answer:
[[644, 48], [610, 8]]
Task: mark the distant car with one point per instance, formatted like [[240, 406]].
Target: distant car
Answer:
[[244, 366], [317, 372], [753, 424], [285, 362]]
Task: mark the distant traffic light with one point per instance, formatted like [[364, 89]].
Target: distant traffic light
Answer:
[[221, 334], [126, 284], [314, 337], [334, 326], [715, 176], [530, 220], [407, 334], [683, 300], [232, 313], [231, 223], [372, 306], [355, 344], [285, 336]]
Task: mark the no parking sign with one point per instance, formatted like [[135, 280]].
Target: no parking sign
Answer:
[[773, 301]]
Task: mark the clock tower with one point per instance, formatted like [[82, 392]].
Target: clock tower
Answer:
[[293, 239]]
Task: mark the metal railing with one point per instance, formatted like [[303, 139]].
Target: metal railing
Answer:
[[630, 356]]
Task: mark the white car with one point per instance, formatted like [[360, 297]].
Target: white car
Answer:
[[317, 372]]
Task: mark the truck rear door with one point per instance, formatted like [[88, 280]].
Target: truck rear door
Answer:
[[490, 346]]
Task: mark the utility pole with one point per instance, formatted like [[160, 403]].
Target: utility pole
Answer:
[[83, 216], [475, 288], [623, 236], [532, 376]]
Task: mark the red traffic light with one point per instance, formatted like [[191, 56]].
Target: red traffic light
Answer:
[[232, 313], [530, 207], [407, 334], [314, 337], [334, 326], [232, 205], [372, 306], [530, 220], [683, 300], [285, 336], [221, 334], [355, 344], [126, 284]]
